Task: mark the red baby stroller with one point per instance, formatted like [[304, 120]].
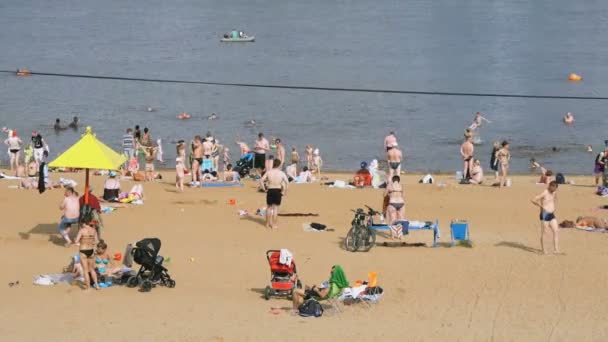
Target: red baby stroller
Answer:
[[283, 278]]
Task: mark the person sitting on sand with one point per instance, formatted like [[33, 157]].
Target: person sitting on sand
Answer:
[[546, 176], [305, 176], [86, 239], [333, 288], [111, 187], [208, 176], [230, 176], [476, 173], [396, 205], [104, 263], [74, 267], [362, 177], [292, 172]]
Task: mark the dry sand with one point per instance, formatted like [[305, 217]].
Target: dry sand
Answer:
[[501, 289]]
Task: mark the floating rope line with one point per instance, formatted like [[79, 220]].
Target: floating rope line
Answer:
[[351, 90]]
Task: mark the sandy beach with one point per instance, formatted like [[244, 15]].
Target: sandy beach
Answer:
[[501, 289]]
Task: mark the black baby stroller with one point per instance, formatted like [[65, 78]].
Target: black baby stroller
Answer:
[[151, 272], [244, 165]]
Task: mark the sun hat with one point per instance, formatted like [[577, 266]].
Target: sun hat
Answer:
[[324, 285]]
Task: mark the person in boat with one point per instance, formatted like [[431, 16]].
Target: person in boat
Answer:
[[213, 116], [226, 36], [234, 34]]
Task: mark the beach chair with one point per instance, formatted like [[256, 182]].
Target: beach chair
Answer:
[[459, 230]]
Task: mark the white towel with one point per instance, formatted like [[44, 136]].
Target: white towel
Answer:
[[286, 257]]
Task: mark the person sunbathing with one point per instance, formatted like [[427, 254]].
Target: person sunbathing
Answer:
[[111, 187], [330, 289], [591, 222]]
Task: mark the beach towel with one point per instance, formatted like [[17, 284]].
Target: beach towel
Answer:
[[57, 278], [285, 257], [220, 185], [338, 277]]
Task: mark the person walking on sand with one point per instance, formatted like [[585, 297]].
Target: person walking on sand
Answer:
[[396, 206], [390, 140], [295, 157], [394, 157], [128, 145], [546, 202], [494, 160], [466, 151], [260, 148], [71, 212], [275, 190], [309, 156], [14, 147], [39, 146]]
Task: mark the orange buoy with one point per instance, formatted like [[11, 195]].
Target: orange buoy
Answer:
[[183, 116], [575, 77], [23, 72]]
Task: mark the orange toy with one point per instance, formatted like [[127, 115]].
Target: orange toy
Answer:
[[575, 77], [183, 116]]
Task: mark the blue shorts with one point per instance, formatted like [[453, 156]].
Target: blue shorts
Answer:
[[546, 216]]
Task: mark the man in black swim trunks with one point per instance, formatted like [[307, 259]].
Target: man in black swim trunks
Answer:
[[275, 190], [260, 148]]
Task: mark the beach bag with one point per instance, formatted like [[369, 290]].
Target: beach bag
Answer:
[[310, 308], [560, 179]]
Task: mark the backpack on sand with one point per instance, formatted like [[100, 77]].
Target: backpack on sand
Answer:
[[311, 308], [560, 179]]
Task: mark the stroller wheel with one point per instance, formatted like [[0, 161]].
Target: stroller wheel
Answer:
[[133, 281], [146, 286], [298, 284], [170, 283], [267, 292]]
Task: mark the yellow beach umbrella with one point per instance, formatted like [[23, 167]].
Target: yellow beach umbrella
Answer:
[[89, 153]]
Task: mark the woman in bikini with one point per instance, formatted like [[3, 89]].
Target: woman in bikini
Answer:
[[14, 147], [396, 204], [103, 261], [86, 239], [503, 156]]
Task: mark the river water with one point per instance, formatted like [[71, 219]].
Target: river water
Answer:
[[480, 46]]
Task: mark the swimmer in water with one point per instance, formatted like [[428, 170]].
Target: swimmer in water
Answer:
[[568, 118], [213, 116], [251, 123], [478, 121], [75, 122], [150, 109], [58, 126]]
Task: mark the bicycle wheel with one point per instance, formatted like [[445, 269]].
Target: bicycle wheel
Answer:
[[366, 239], [349, 241]]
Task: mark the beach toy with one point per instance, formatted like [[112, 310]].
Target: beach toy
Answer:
[[168, 259], [232, 201], [372, 279], [183, 116], [23, 72], [117, 256], [575, 77]]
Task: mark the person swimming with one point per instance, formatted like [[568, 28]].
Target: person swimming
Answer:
[[568, 118], [57, 126], [213, 116], [75, 122]]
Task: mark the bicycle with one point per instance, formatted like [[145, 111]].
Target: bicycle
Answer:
[[361, 237]]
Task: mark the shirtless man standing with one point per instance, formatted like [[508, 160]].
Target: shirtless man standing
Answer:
[[390, 140], [71, 212], [466, 151], [546, 202], [197, 161], [260, 148], [276, 189], [280, 152], [394, 157]]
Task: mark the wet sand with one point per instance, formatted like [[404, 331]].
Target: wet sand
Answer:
[[501, 289]]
